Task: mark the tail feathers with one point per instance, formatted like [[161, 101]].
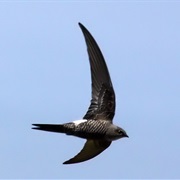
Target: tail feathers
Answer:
[[49, 127]]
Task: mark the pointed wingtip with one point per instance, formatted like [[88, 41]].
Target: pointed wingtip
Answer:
[[65, 162], [82, 26], [70, 161]]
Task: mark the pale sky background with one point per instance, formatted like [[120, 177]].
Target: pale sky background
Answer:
[[45, 78]]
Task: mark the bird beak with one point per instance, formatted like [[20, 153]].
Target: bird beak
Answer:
[[126, 136]]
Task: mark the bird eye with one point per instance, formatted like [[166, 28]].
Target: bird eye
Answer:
[[120, 132]]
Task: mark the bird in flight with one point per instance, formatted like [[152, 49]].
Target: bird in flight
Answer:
[[96, 126]]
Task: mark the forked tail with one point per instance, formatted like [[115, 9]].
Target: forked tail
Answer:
[[49, 127]]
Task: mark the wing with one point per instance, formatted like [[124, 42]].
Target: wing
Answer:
[[91, 149], [103, 97]]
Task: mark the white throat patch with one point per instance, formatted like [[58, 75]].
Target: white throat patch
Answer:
[[77, 122]]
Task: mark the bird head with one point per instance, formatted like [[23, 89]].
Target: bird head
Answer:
[[115, 132]]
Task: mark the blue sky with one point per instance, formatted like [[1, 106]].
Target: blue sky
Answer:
[[45, 78]]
